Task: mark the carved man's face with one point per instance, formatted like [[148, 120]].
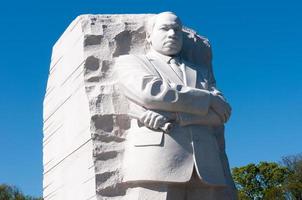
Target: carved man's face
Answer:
[[166, 36]]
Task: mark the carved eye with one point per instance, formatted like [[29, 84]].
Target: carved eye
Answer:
[[164, 28]]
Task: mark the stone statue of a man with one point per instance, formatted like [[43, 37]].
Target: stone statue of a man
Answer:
[[171, 150]]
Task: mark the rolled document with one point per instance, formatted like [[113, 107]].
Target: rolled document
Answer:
[[166, 127]]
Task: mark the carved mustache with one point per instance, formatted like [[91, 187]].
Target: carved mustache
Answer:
[[171, 41]]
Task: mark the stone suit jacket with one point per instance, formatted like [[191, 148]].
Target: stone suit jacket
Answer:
[[151, 155]]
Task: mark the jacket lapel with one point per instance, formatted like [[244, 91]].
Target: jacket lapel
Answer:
[[191, 76], [167, 73], [165, 70]]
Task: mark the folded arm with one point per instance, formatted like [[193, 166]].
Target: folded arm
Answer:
[[146, 88], [211, 119]]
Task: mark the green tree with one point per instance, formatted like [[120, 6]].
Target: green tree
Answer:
[[293, 183], [262, 181], [8, 192]]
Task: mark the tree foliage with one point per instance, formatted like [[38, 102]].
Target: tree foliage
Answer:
[[261, 181], [269, 180], [8, 192], [293, 184]]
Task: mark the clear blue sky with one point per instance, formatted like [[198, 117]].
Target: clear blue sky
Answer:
[[257, 49]]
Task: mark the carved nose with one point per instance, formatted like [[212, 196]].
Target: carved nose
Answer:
[[171, 32]]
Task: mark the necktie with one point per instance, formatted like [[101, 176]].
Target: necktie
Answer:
[[176, 68]]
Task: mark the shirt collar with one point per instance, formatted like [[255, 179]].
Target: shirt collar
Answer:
[[152, 54]]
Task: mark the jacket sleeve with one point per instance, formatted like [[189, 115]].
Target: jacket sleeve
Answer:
[[211, 119], [142, 85]]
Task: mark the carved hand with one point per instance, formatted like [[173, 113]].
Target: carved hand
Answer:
[[153, 119], [220, 106]]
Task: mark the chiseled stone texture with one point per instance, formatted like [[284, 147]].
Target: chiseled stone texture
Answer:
[[85, 118]]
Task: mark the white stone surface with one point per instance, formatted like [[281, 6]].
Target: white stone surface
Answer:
[[85, 113], [67, 144]]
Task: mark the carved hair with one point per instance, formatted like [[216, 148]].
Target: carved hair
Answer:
[[151, 21]]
